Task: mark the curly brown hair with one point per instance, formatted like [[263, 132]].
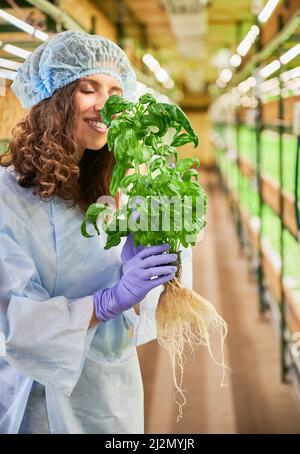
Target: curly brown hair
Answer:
[[44, 153]]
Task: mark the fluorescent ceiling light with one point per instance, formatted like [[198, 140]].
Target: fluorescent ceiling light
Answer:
[[251, 81], [247, 42], [290, 54], [7, 74], [220, 83], [14, 50], [9, 64], [151, 62], [269, 69], [292, 74], [169, 84], [267, 11], [243, 87], [293, 84], [269, 85], [244, 47], [274, 92], [235, 91], [235, 60], [254, 31], [161, 75], [226, 75], [23, 26]]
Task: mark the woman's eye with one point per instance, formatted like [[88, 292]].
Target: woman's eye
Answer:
[[87, 91]]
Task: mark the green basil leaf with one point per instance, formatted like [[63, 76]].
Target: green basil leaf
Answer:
[[176, 115], [91, 216], [114, 104], [153, 119], [184, 242], [174, 188], [189, 174], [147, 99], [184, 164], [140, 187], [150, 140], [117, 127], [94, 210], [124, 144], [160, 181], [117, 176], [142, 154], [113, 239], [127, 180], [181, 140], [141, 237], [84, 230], [157, 163], [167, 150]]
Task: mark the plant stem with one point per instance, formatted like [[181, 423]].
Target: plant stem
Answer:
[[178, 263]]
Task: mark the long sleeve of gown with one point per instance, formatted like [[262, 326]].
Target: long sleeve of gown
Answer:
[[45, 338], [44, 330]]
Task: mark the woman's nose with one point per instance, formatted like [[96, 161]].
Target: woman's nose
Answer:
[[101, 101]]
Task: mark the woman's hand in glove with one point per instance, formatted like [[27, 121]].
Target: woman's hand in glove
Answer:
[[129, 249], [148, 269]]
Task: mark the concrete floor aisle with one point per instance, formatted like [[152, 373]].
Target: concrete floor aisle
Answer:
[[254, 400]]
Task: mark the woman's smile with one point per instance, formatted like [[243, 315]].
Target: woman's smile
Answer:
[[96, 126], [91, 96]]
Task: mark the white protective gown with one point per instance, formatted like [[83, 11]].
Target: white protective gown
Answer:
[[48, 273]]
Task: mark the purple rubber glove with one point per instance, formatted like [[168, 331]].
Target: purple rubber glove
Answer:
[[129, 249], [135, 282]]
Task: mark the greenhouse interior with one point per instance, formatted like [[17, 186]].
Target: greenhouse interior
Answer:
[[225, 74]]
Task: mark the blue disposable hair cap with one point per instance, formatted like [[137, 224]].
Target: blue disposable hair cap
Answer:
[[69, 56]]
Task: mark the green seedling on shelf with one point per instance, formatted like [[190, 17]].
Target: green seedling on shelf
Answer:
[[249, 197], [138, 135]]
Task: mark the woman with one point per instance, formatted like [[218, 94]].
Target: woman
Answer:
[[68, 306]]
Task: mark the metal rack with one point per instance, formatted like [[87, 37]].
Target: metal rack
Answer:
[[242, 177]]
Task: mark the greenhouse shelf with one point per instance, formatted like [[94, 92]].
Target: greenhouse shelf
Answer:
[[271, 259], [270, 154], [240, 174], [257, 147], [271, 196]]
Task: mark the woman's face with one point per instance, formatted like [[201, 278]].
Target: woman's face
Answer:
[[91, 95]]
